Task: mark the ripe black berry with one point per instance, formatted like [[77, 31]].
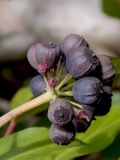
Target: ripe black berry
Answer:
[[60, 112], [60, 135], [107, 69], [87, 90], [37, 85], [31, 56], [83, 118], [81, 62], [43, 56], [72, 41], [107, 89], [86, 113], [81, 125], [103, 107]]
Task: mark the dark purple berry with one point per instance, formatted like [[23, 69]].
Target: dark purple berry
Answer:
[[107, 68], [86, 113], [43, 56], [81, 62], [81, 125], [60, 112], [31, 56], [72, 41], [107, 89], [108, 82], [103, 107], [87, 90], [83, 118], [62, 135], [37, 85]]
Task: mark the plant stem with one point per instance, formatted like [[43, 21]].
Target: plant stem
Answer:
[[67, 87], [10, 128], [76, 104], [47, 85], [68, 93], [59, 73], [63, 82], [46, 97], [58, 68]]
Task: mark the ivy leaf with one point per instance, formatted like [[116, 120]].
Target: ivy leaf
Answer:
[[107, 154], [23, 95], [111, 7], [34, 143]]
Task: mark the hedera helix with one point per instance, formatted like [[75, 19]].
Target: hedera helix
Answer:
[[75, 81]]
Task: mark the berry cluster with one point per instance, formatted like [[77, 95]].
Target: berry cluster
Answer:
[[80, 80]]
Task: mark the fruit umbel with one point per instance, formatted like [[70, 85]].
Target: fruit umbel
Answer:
[[79, 94]]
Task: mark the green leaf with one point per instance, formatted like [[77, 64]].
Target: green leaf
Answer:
[[113, 151], [111, 7], [34, 144], [22, 95]]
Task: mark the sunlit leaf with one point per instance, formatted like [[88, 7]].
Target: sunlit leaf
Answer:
[[22, 95]]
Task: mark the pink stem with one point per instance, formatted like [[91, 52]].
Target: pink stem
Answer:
[[10, 128]]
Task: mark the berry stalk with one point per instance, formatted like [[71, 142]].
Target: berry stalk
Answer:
[[10, 128], [46, 97], [63, 82], [67, 93]]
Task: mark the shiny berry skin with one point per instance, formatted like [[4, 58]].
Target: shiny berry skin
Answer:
[[37, 85], [62, 135], [107, 70], [81, 62], [60, 112], [43, 56], [72, 41], [87, 90]]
